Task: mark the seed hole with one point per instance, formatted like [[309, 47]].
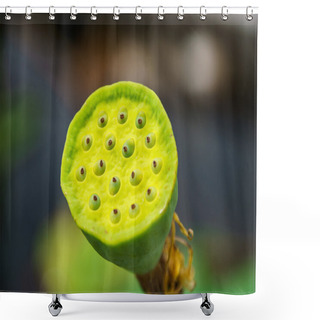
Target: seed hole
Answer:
[[114, 185], [99, 167], [136, 177], [115, 216], [86, 142]]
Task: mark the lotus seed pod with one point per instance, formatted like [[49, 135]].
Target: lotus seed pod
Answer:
[[86, 142], [135, 177], [114, 185], [81, 174], [156, 165], [122, 115], [110, 141], [128, 148], [150, 140], [143, 195], [141, 120], [94, 202]]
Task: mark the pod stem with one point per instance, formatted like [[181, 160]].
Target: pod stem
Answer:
[[170, 275]]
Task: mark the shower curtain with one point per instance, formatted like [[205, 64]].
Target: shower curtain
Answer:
[[128, 154]]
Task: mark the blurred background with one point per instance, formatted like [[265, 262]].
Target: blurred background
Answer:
[[205, 76]]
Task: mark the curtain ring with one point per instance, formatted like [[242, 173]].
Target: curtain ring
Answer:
[[52, 12], [7, 11], [203, 13], [249, 16], [160, 15], [73, 13], [116, 14], [93, 15], [138, 16], [28, 13], [224, 13], [180, 13]]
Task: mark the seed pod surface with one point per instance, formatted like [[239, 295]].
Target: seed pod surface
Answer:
[[123, 138]]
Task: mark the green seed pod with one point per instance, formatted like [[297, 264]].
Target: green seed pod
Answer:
[[99, 167], [141, 120], [150, 140], [94, 202], [128, 148], [114, 185], [115, 216], [103, 120], [134, 210], [133, 239], [135, 177], [122, 115], [110, 141], [156, 165], [151, 194], [81, 174], [87, 142]]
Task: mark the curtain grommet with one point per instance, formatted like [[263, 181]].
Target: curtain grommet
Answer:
[[180, 13], [160, 15], [203, 13], [7, 11], [116, 13], [28, 13], [138, 15], [73, 13], [52, 12], [249, 16], [224, 13], [93, 13]]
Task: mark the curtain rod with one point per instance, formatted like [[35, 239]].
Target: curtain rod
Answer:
[[139, 10]]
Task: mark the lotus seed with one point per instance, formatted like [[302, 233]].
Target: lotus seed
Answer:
[[102, 121], [86, 142], [110, 141], [81, 174], [156, 165], [134, 210], [151, 193], [99, 167], [136, 177], [94, 202], [150, 140], [122, 115], [115, 216], [114, 185], [141, 120], [128, 148]]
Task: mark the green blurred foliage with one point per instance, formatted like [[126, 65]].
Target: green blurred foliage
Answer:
[[67, 263], [20, 126]]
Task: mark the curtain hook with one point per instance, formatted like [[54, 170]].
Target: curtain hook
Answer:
[[224, 13], [52, 12], [28, 13], [180, 13], [116, 14], [249, 16], [203, 13], [138, 16], [7, 12], [160, 15], [93, 15], [73, 13]]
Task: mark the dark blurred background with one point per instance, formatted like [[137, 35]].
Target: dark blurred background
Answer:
[[204, 72]]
